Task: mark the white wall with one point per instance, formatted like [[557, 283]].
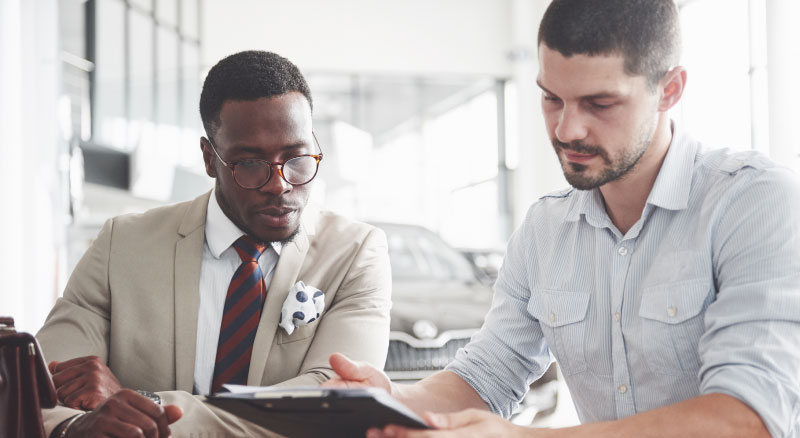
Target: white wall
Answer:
[[31, 197], [367, 36]]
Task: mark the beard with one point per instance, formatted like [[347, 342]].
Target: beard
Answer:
[[291, 237], [578, 175]]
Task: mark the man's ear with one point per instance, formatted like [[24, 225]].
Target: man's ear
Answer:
[[671, 88], [208, 157]]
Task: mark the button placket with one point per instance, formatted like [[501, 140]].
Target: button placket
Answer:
[[621, 264]]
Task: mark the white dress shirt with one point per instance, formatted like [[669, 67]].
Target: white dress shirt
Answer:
[[700, 296], [220, 261]]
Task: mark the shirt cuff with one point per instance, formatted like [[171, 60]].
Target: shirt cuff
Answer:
[[777, 403]]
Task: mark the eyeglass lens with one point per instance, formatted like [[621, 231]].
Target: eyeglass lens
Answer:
[[254, 174]]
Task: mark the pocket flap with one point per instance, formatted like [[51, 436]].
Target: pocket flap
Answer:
[[674, 303], [557, 308]]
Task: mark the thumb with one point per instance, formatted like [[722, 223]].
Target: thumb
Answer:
[[174, 413], [346, 368]]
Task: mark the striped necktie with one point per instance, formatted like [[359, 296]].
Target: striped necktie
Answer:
[[240, 316]]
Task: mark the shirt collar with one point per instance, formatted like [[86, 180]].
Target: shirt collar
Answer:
[[674, 181], [221, 233], [670, 190], [590, 204]]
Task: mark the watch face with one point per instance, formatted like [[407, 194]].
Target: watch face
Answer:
[[155, 398]]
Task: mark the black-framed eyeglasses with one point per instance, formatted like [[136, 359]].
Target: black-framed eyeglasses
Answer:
[[254, 174]]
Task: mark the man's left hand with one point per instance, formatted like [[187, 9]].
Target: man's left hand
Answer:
[[468, 423], [83, 382]]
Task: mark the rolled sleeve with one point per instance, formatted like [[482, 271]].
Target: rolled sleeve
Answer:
[[751, 347], [509, 352]]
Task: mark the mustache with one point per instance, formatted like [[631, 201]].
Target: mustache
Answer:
[[277, 203], [276, 206], [578, 147], [581, 148]]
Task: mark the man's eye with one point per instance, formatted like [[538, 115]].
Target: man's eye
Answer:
[[600, 106], [250, 164], [551, 98]]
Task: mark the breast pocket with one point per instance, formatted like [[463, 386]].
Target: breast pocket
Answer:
[[302, 333], [672, 323], [562, 317]]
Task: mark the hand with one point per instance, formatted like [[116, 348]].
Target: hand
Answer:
[[84, 382], [468, 423], [126, 414], [356, 374]]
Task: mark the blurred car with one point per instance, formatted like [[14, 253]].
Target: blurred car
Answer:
[[439, 300], [487, 260]]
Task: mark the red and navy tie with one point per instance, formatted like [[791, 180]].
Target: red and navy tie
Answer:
[[240, 317]]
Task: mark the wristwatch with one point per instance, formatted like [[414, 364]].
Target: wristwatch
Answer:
[[151, 395]]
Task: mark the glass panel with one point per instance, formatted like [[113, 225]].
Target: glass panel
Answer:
[[191, 126], [190, 83], [141, 75], [190, 26], [72, 23], [167, 12], [167, 77], [142, 5], [711, 78], [145, 6], [109, 75]]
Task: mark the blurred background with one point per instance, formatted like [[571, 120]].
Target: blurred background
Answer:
[[427, 112]]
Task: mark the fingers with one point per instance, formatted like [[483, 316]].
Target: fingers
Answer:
[[52, 366], [60, 366], [346, 368], [458, 424], [66, 390], [64, 373], [78, 399], [155, 412], [83, 382], [127, 414], [174, 413], [393, 431]]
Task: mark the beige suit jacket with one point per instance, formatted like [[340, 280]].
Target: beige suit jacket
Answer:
[[133, 301]]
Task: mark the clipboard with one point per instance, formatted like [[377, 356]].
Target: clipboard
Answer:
[[318, 412]]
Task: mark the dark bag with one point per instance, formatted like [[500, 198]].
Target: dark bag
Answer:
[[25, 384]]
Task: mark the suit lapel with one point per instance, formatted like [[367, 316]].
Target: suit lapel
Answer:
[[188, 261], [286, 271]]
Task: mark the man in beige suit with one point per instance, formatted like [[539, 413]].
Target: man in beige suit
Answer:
[[147, 308]]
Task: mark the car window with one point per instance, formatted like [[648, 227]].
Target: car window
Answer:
[[420, 254]]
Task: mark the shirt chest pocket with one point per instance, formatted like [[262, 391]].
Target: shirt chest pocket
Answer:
[[562, 318], [672, 323]]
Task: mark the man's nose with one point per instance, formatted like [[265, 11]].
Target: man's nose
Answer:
[[571, 125], [276, 184]]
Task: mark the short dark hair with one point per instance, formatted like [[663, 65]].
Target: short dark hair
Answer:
[[646, 33], [248, 75]]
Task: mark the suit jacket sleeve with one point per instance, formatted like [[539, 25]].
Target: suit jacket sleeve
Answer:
[[357, 321], [78, 323]]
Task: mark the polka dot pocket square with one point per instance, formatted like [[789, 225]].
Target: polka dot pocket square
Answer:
[[303, 306]]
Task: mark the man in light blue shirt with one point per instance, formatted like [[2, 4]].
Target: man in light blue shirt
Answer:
[[666, 281]]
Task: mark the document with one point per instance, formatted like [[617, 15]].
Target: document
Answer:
[[306, 412]]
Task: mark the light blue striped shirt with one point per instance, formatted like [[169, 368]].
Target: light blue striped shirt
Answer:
[[701, 295]]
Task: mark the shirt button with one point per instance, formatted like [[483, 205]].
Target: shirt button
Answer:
[[672, 311], [617, 316], [622, 251], [552, 317], [622, 388]]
